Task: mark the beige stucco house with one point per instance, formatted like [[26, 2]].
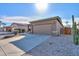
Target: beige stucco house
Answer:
[[51, 25], [21, 27]]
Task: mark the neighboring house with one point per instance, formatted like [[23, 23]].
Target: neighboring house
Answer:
[[51, 25], [7, 28], [19, 27]]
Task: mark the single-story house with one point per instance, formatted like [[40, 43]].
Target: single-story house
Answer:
[[51, 25], [19, 27], [7, 28]]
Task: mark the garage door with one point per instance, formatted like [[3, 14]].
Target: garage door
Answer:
[[42, 29]]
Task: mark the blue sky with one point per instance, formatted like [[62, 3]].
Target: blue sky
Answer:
[[65, 10]]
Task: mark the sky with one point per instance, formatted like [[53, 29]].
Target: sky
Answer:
[[29, 10]]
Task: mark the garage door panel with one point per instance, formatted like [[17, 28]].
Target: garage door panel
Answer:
[[42, 29]]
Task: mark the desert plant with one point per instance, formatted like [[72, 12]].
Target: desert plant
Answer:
[[75, 32]]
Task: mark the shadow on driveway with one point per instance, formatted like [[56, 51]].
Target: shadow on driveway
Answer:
[[30, 41]]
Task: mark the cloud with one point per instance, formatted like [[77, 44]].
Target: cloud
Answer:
[[19, 19], [69, 22], [26, 20], [16, 19], [76, 19]]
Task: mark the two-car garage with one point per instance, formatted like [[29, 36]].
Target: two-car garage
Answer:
[[47, 26], [42, 29]]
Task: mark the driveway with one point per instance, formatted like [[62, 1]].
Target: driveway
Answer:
[[8, 49], [20, 44], [30, 41]]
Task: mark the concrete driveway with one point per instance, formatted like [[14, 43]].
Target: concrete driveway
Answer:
[[30, 41], [8, 49], [19, 45]]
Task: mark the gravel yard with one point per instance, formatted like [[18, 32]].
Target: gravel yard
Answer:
[[56, 46]]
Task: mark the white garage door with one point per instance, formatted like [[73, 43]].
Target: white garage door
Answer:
[[42, 29]]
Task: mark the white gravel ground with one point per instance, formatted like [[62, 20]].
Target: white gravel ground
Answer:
[[56, 46]]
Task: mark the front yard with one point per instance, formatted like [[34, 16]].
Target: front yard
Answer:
[[56, 46], [39, 45]]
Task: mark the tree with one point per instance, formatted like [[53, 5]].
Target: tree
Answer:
[[1, 23]]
